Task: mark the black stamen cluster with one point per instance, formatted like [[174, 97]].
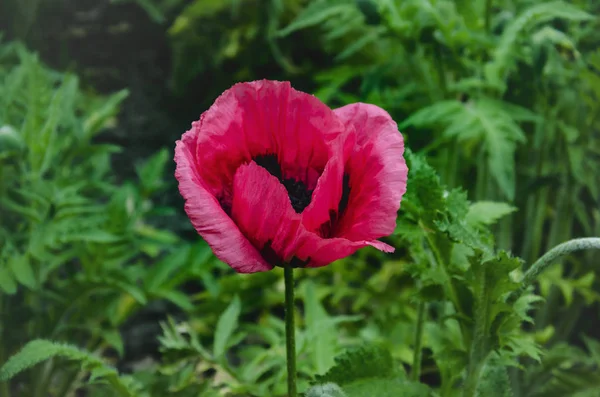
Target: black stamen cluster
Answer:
[[298, 192]]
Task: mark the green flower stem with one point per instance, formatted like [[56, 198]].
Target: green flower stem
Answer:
[[548, 259], [488, 15], [4, 389], [290, 329], [480, 345], [416, 367], [451, 291]]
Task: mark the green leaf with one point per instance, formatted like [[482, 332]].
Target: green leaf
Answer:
[[504, 59], [386, 388], [21, 267], [149, 6], [95, 236], [179, 298], [114, 339], [225, 326], [442, 112], [99, 118], [151, 173], [136, 292], [318, 12], [426, 194], [494, 381], [7, 281], [365, 362], [326, 390], [488, 212], [41, 350], [453, 222], [565, 371], [483, 122], [10, 139], [372, 36], [322, 335]]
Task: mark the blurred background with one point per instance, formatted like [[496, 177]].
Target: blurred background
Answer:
[[502, 96]]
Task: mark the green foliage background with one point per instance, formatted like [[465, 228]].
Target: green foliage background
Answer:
[[101, 272]]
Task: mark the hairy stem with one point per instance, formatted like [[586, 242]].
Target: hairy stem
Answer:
[[290, 330], [480, 344], [548, 259], [451, 291], [416, 367]]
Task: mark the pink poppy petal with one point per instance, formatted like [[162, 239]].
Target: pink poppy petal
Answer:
[[378, 173], [207, 216], [265, 117], [326, 197], [323, 251], [262, 210]]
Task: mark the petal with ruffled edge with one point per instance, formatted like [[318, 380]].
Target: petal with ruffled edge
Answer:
[[265, 117], [377, 172], [315, 251], [262, 210], [323, 208], [207, 216]]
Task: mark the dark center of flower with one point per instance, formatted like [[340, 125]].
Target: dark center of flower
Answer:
[[345, 194], [297, 191], [328, 228]]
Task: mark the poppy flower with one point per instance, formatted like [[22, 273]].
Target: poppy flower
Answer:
[[271, 175]]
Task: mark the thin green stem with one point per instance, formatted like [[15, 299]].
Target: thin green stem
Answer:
[[548, 259], [290, 330], [416, 367], [68, 384], [4, 388], [488, 15], [451, 291]]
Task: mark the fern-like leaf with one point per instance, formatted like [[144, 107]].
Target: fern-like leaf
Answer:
[[41, 350], [503, 58]]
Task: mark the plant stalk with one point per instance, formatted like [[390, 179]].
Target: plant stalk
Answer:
[[480, 345], [416, 367], [488, 15], [290, 330], [4, 386], [451, 291]]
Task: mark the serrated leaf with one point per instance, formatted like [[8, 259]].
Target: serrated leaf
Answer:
[[372, 36], [494, 381], [488, 212], [386, 388], [226, 326], [503, 58], [365, 362], [484, 121], [326, 390], [525, 304], [426, 194], [316, 13], [41, 350]]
